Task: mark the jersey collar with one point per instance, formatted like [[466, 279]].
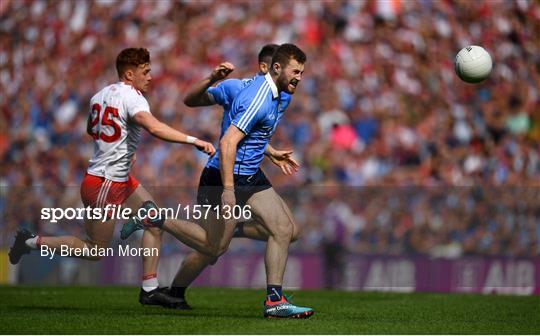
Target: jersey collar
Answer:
[[273, 86]]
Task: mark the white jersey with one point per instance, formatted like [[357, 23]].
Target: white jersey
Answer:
[[115, 134]]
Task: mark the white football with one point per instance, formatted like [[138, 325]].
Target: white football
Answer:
[[473, 64]]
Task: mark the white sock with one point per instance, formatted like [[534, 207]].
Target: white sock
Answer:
[[150, 283], [32, 242]]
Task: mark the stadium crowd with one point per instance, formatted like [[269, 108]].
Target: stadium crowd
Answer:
[[398, 155]]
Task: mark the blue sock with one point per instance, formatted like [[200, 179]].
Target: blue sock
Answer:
[[239, 231], [273, 293]]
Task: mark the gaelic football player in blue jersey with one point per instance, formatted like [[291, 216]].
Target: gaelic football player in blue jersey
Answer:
[[203, 94], [254, 116], [234, 176]]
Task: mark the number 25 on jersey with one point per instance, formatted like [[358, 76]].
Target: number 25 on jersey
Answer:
[[106, 120]]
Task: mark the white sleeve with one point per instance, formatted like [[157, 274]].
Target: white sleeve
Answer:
[[135, 104]]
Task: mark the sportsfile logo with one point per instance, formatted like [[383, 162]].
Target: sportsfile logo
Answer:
[[110, 211], [113, 211]]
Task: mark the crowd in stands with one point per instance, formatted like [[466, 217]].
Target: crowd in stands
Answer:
[[398, 155]]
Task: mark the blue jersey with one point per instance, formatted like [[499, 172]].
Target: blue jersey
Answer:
[[255, 107], [224, 93]]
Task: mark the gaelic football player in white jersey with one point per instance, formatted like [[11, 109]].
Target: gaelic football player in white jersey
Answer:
[[117, 114]]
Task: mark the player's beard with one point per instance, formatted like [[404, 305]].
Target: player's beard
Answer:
[[285, 84]]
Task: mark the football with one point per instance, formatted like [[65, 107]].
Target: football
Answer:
[[473, 64]]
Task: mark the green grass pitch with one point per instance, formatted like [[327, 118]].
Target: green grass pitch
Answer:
[[115, 310]]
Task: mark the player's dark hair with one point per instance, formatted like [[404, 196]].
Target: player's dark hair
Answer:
[[131, 57], [287, 51], [266, 53]]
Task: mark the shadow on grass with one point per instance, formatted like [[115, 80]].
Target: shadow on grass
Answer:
[[199, 313]]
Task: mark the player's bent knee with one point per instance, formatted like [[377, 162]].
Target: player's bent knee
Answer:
[[283, 232], [210, 260], [297, 233], [154, 231], [209, 252], [214, 252], [213, 256]]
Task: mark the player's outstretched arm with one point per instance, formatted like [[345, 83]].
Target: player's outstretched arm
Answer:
[[165, 132], [198, 95]]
